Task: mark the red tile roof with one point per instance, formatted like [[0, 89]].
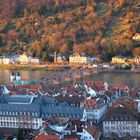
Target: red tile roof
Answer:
[[92, 130]]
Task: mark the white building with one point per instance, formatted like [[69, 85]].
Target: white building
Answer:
[[136, 36], [95, 108], [34, 60], [7, 61], [122, 122]]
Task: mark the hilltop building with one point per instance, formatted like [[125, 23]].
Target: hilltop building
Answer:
[[119, 60], [23, 59], [136, 37], [79, 58]]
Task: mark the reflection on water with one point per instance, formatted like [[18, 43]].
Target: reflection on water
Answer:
[[132, 79]]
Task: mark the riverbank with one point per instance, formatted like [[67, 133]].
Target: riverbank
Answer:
[[59, 67], [34, 67]]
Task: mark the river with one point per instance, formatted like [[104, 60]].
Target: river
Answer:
[[132, 79]]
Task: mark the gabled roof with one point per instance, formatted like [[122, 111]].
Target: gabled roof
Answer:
[[92, 130]]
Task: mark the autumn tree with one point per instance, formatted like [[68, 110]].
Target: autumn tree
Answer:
[[136, 51]]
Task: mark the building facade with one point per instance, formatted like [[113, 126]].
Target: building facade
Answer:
[[122, 122], [23, 59], [118, 60], [95, 109], [24, 111], [78, 58]]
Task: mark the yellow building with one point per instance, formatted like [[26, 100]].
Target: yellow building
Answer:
[[136, 36], [119, 60], [23, 59], [78, 58]]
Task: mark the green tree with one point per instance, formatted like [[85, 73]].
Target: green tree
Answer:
[[20, 135], [0, 41], [42, 10], [70, 43], [10, 137], [9, 26]]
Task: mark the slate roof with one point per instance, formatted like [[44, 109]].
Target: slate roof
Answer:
[[71, 112], [121, 114], [41, 106], [16, 109], [46, 101], [70, 100], [19, 99]]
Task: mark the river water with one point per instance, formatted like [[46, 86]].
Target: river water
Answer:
[[132, 79]]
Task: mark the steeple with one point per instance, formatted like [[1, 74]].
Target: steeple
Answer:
[[12, 76], [18, 76]]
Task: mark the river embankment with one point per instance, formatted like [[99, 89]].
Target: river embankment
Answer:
[[34, 66]]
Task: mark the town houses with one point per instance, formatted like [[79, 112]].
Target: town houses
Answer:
[[121, 121], [24, 111], [70, 112], [18, 59]]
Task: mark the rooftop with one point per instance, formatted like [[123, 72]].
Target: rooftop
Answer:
[[121, 114], [20, 99]]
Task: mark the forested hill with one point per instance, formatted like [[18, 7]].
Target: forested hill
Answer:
[[97, 27]]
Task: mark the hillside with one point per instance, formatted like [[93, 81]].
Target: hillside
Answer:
[[97, 27]]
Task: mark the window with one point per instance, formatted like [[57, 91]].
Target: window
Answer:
[[112, 122], [112, 127], [107, 127]]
